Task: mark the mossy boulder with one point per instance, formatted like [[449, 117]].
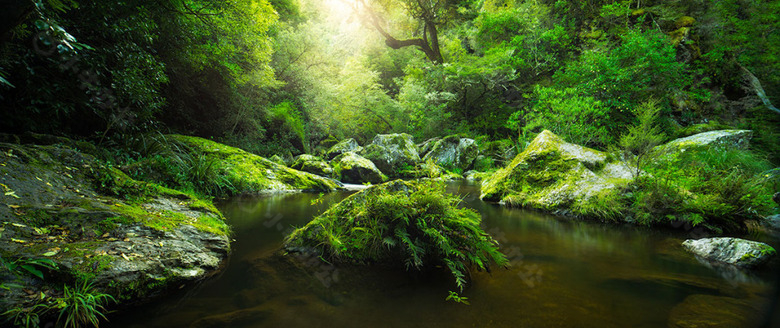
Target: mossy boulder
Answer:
[[454, 152], [426, 146], [312, 164], [732, 139], [560, 177], [249, 173], [735, 251], [392, 153], [132, 239], [353, 168], [400, 224], [343, 146], [278, 160]]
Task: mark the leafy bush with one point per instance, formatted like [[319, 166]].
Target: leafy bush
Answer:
[[416, 224]]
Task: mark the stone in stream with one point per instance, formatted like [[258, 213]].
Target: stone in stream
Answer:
[[739, 252], [312, 164], [392, 153], [353, 168], [343, 146], [130, 238], [559, 177], [453, 152]]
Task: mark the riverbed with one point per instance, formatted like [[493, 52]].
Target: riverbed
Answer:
[[564, 273]]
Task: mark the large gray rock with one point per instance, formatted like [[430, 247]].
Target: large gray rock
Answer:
[[353, 168], [392, 153], [739, 139], [739, 252], [556, 176], [130, 238], [453, 152], [343, 147], [312, 164]]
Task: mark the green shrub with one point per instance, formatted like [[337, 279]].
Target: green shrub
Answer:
[[415, 224], [717, 188]]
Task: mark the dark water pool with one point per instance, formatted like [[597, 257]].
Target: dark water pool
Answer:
[[564, 274]]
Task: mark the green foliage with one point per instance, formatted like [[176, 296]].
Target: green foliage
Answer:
[[642, 138], [82, 306], [578, 119], [22, 266], [453, 296], [26, 317], [717, 188], [414, 224]]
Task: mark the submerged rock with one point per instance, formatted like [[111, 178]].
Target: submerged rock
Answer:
[[739, 252], [739, 139], [392, 153], [312, 164], [556, 176], [453, 152], [353, 168], [132, 239], [715, 311], [249, 173], [343, 147]]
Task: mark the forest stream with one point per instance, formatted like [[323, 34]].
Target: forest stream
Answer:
[[564, 274]]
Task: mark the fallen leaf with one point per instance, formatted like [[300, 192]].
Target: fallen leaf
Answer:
[[50, 253], [14, 206], [12, 194], [18, 241], [125, 257], [105, 235]]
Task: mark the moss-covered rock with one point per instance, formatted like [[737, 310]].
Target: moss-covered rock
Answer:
[[454, 152], [734, 139], [411, 224], [343, 147], [249, 173], [426, 146], [312, 164], [353, 168], [735, 251], [392, 153], [133, 239], [278, 160], [556, 176]]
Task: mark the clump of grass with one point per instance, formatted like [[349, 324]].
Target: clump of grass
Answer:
[[82, 306], [414, 224]]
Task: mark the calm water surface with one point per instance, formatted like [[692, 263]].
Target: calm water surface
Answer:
[[564, 274]]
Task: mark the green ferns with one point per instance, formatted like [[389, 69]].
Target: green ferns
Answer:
[[415, 224]]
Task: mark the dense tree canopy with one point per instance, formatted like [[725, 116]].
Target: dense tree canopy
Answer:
[[282, 76]]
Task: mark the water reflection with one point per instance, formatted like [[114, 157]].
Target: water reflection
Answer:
[[565, 274]]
